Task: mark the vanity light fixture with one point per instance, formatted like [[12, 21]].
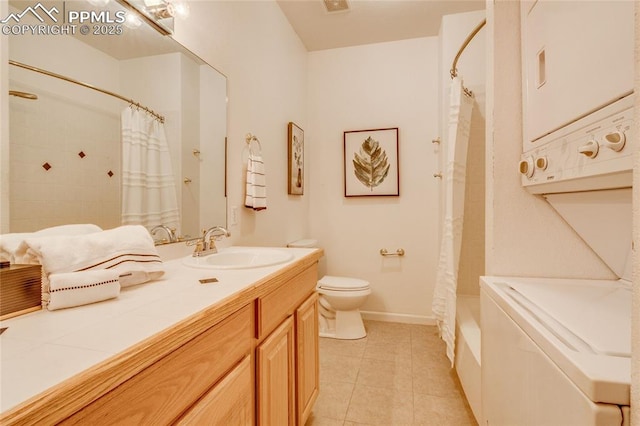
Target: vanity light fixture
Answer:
[[99, 3], [160, 14], [336, 5], [165, 9], [132, 21], [181, 9]]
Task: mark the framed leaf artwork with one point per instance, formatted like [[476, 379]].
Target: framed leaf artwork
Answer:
[[296, 159], [371, 163]]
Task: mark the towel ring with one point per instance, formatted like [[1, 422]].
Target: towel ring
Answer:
[[251, 138]]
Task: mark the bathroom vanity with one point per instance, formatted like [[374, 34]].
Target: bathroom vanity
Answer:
[[242, 350]]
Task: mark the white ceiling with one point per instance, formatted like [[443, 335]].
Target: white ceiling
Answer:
[[369, 21]]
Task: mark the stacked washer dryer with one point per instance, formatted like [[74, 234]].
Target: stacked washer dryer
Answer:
[[558, 351]]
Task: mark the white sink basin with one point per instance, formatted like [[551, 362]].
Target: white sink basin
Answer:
[[240, 258]]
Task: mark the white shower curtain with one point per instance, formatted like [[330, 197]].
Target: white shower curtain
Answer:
[[457, 142], [148, 186]]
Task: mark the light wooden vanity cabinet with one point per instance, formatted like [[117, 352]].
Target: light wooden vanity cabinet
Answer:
[[228, 403], [275, 377], [307, 358], [252, 359], [287, 355], [175, 384]]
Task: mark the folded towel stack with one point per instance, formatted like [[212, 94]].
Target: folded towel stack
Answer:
[[66, 290], [9, 243], [256, 187], [129, 250]]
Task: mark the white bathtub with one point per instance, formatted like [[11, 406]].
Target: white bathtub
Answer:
[[467, 359]]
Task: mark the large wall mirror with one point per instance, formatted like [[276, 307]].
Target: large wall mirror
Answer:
[[66, 146]]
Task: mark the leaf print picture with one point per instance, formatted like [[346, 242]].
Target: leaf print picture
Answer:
[[371, 163]]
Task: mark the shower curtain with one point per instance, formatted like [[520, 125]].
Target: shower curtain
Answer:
[[148, 186], [444, 298]]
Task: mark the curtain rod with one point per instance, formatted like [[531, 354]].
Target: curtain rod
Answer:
[[89, 86], [454, 70]]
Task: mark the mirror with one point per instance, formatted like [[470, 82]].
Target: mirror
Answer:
[[65, 147]]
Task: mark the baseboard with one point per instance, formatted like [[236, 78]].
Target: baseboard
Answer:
[[401, 318]]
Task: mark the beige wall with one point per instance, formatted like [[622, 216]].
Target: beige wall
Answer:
[[370, 87], [252, 43]]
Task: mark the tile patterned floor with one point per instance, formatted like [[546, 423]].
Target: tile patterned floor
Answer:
[[398, 375]]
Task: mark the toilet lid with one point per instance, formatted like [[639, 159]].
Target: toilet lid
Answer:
[[342, 283]]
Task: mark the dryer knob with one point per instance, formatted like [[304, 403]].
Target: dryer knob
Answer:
[[542, 163], [615, 140], [590, 149], [526, 167]]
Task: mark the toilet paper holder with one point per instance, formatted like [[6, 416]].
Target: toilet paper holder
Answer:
[[398, 252]]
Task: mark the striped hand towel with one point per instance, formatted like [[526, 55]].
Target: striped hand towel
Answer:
[[256, 188]]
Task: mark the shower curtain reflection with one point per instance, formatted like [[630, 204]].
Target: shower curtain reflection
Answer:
[[148, 188]]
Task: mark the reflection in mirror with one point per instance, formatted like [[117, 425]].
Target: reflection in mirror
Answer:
[[160, 14], [66, 146]]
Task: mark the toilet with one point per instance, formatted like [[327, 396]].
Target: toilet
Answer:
[[339, 302]]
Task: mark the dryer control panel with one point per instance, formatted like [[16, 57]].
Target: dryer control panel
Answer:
[[592, 153]]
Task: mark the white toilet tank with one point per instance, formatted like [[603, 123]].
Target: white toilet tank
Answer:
[[305, 243], [311, 243]]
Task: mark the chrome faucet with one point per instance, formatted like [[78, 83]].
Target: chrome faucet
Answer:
[[207, 245], [171, 233]]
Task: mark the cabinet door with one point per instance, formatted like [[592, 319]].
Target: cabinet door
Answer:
[[276, 377], [163, 391], [228, 403], [307, 360]]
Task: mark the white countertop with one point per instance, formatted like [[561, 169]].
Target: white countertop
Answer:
[[44, 348]]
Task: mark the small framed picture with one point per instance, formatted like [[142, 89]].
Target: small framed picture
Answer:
[[371, 163], [296, 159]]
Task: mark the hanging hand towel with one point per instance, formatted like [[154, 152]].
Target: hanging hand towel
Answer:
[[256, 188], [80, 288]]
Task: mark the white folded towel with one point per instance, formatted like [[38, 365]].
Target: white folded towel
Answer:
[[9, 243], [256, 187], [71, 289], [127, 249]]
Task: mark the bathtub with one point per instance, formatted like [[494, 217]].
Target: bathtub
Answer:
[[467, 360]]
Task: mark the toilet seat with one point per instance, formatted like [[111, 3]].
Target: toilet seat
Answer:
[[332, 283]]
